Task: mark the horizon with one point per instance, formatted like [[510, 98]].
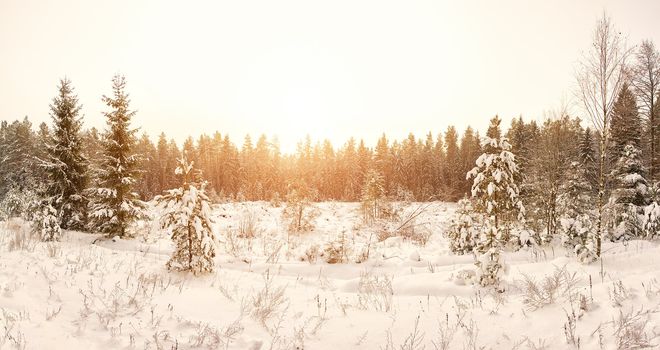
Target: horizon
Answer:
[[289, 70]]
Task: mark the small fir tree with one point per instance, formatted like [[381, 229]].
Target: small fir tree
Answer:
[[187, 214], [496, 195], [575, 218], [652, 221], [298, 209], [373, 193], [630, 195], [45, 223], [463, 230]]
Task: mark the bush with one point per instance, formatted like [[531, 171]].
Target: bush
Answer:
[[462, 234], [248, 226], [375, 292], [652, 220], [275, 200], [19, 236], [45, 224], [335, 252], [299, 211]]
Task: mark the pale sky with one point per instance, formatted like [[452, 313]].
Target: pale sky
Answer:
[[330, 69]]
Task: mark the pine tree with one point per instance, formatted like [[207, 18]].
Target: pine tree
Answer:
[[66, 164], [116, 206], [187, 214], [496, 195]]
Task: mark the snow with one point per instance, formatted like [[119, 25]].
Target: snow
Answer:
[[117, 293]]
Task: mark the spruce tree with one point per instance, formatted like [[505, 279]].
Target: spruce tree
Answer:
[[373, 193], [453, 177], [496, 195], [626, 125], [588, 158], [469, 152], [66, 164], [93, 152], [147, 184], [382, 161], [45, 223], [115, 206], [630, 194], [19, 184], [575, 218], [463, 231], [187, 214]]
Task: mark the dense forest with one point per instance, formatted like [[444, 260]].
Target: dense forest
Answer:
[[431, 167]]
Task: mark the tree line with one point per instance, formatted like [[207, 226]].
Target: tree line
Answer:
[[100, 177], [432, 167]]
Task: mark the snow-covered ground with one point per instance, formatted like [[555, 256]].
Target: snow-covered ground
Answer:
[[90, 293]]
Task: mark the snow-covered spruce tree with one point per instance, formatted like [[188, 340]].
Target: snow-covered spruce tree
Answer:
[[65, 164], [496, 195], [19, 178], [115, 206], [187, 213], [45, 223], [630, 195], [652, 221], [576, 220], [373, 193], [463, 231]]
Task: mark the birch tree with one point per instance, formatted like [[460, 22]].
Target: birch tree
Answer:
[[600, 75]]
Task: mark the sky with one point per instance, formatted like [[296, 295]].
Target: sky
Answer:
[[291, 68]]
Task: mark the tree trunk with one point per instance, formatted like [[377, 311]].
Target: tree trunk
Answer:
[[190, 251], [601, 195], [652, 121]]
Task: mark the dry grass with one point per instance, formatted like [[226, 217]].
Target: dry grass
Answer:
[[630, 330], [248, 225], [266, 304], [17, 235], [559, 284], [375, 292]]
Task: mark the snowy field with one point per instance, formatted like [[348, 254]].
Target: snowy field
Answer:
[[278, 291]]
